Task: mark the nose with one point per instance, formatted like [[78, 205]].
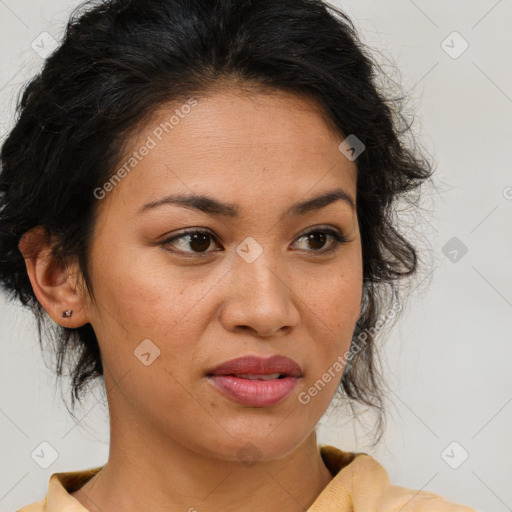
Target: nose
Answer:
[[260, 298]]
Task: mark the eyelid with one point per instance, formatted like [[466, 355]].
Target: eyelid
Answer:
[[321, 227], [192, 231]]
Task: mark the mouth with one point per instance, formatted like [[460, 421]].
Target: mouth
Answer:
[[249, 376], [256, 367], [256, 382], [255, 390]]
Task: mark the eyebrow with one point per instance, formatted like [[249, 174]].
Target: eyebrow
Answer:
[[214, 207]]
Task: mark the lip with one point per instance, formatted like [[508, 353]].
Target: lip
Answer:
[[256, 393], [255, 365]]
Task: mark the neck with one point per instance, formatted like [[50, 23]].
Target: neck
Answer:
[[149, 471]]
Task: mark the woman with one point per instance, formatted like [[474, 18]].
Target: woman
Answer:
[[199, 193]]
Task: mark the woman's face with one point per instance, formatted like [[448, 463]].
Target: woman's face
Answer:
[[168, 312]]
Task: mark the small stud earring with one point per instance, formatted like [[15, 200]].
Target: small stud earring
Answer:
[[67, 313]]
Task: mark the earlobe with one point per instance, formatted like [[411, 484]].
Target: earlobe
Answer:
[[53, 284]]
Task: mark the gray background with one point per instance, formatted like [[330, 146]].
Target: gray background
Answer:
[[447, 360]]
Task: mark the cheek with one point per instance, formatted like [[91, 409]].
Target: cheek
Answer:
[[337, 301], [143, 292], [333, 312], [145, 297], [144, 328], [346, 301]]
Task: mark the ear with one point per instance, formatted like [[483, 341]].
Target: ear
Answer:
[[54, 283]]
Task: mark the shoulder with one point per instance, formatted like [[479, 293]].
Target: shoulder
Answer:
[[58, 497], [373, 491], [363, 484], [38, 506]]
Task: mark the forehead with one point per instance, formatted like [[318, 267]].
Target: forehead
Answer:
[[239, 143]]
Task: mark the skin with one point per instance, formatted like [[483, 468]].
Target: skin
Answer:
[[174, 437]]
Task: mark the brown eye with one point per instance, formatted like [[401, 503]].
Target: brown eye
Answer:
[[199, 242], [190, 242], [317, 239]]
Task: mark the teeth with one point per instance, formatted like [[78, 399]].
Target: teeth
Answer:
[[270, 376]]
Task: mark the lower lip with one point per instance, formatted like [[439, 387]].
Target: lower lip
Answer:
[[254, 393]]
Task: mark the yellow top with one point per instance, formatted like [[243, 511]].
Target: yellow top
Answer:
[[360, 484]]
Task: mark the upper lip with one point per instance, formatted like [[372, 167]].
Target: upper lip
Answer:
[[254, 365]]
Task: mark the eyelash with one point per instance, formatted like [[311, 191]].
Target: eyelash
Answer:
[[338, 240]]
